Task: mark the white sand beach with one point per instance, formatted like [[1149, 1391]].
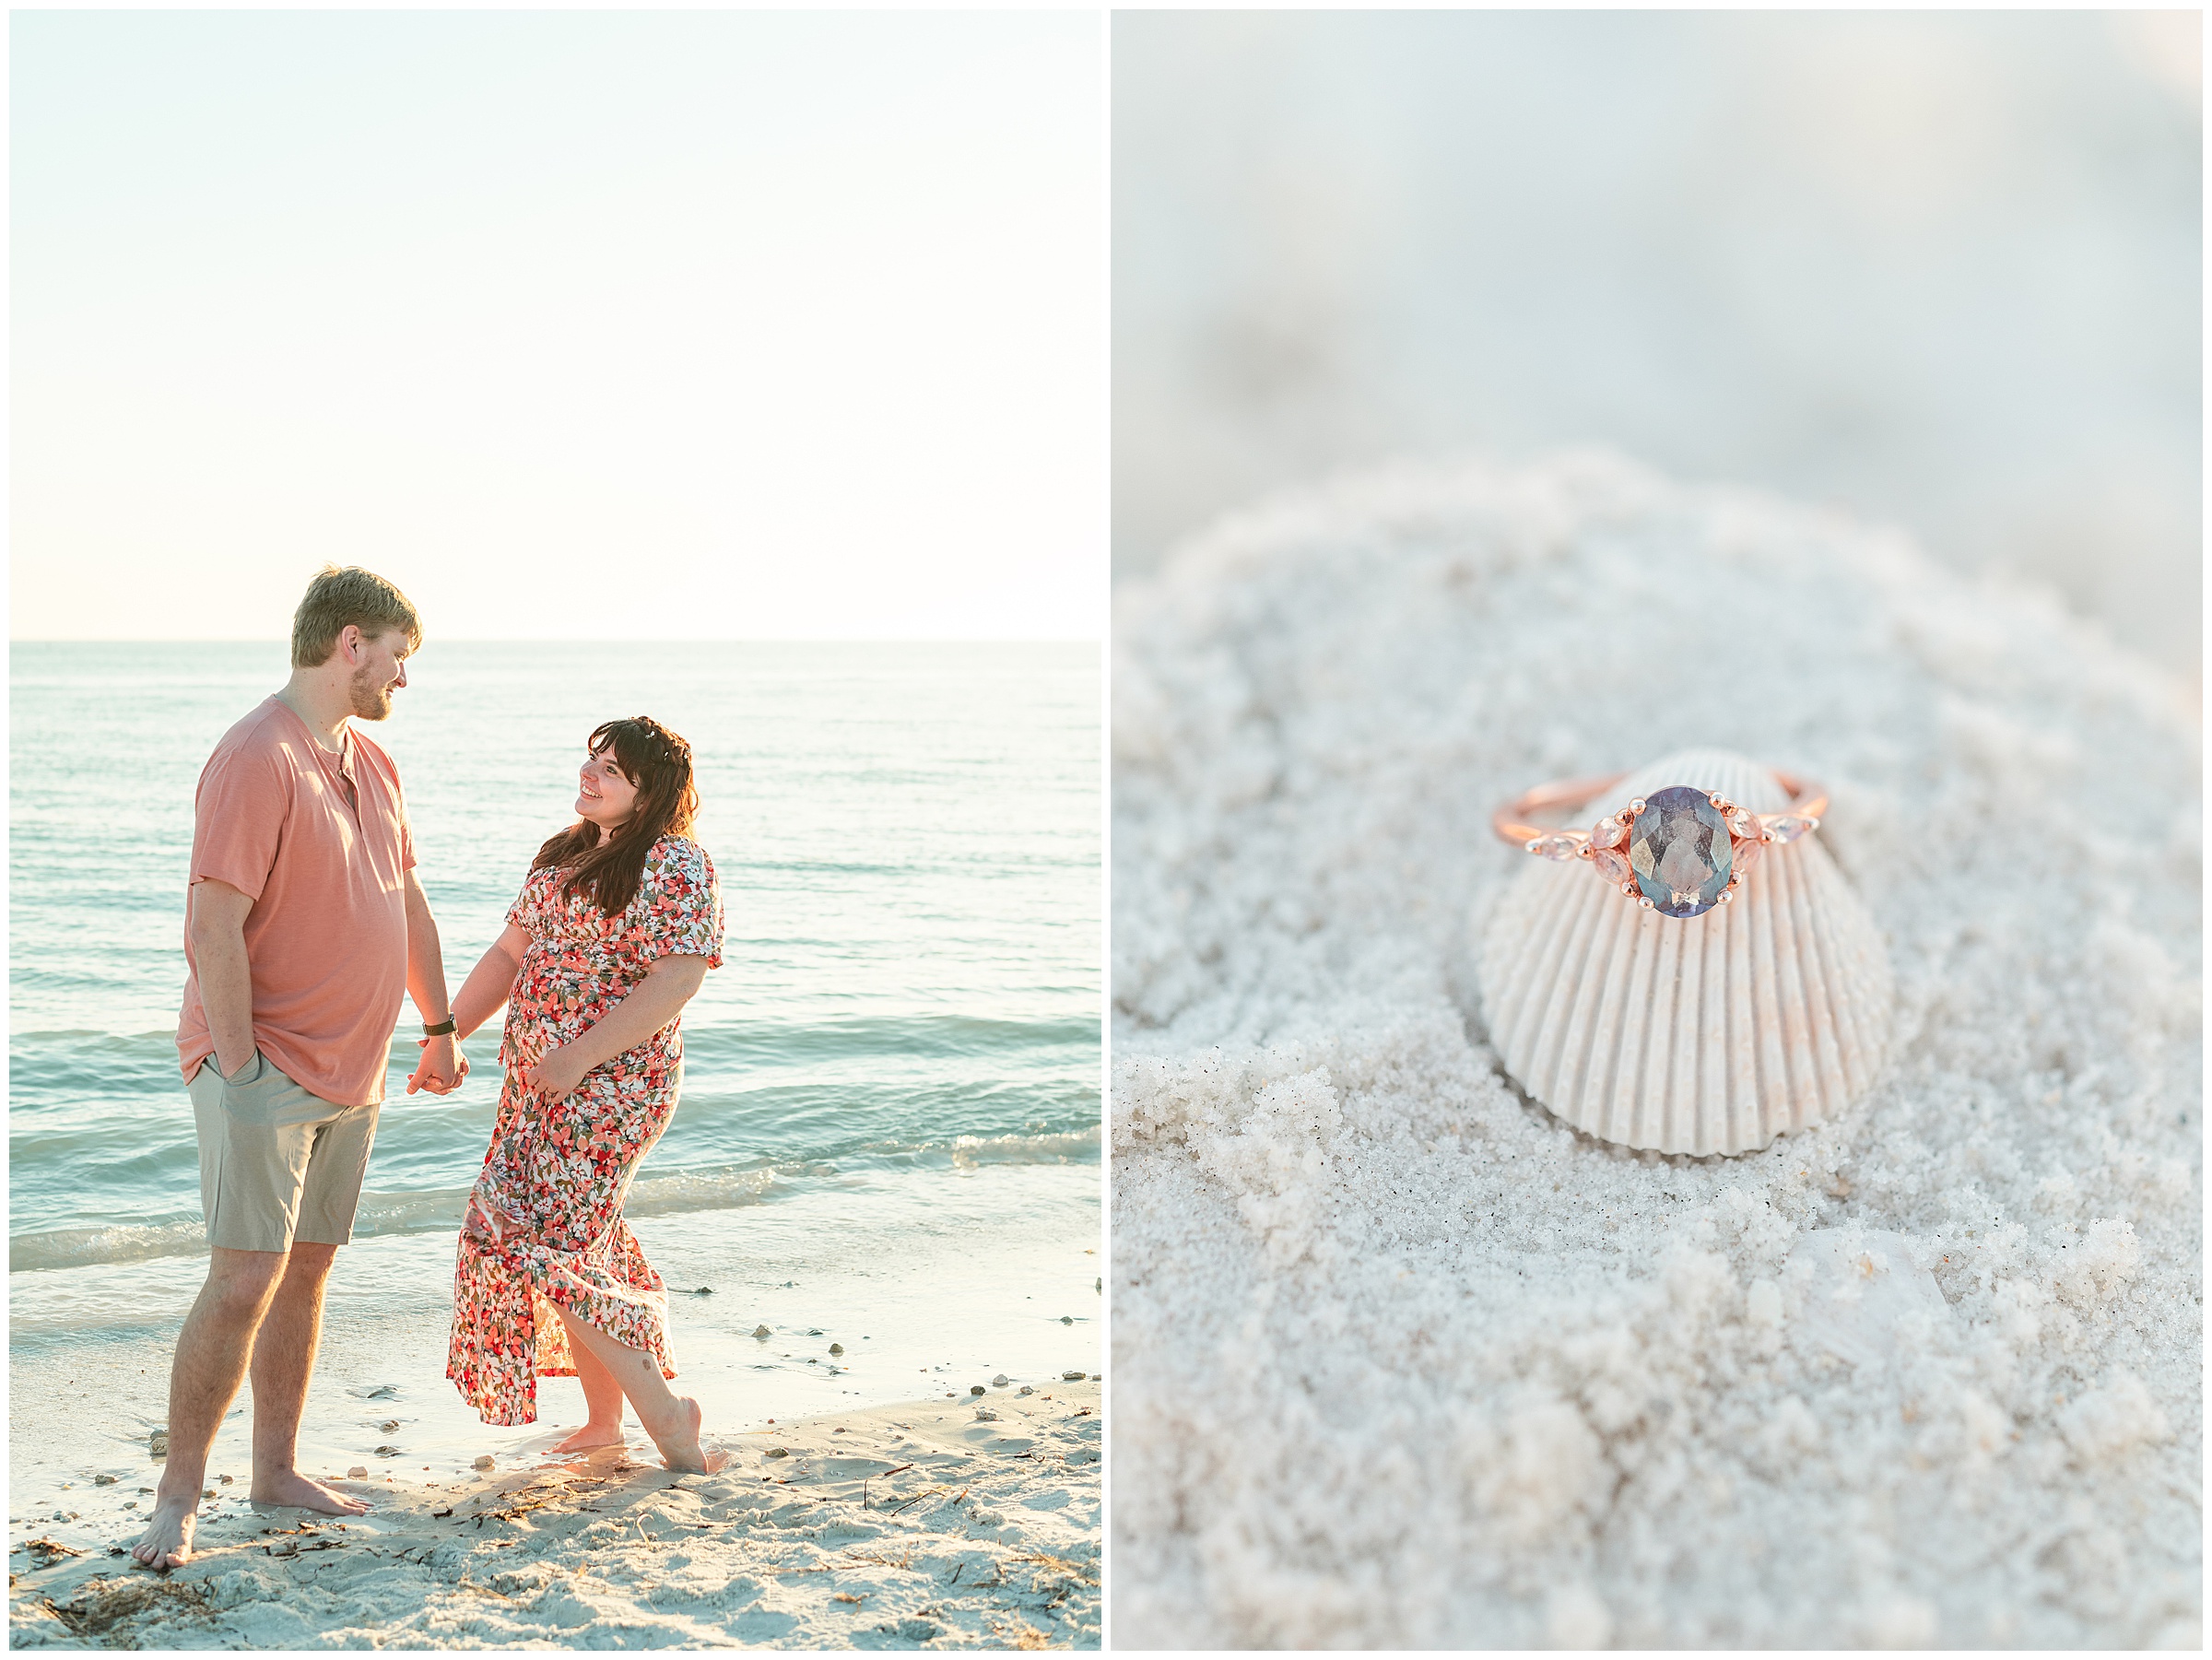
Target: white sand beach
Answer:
[[994, 1275], [954, 1523]]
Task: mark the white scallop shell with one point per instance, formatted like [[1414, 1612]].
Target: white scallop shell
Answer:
[[1706, 1034]]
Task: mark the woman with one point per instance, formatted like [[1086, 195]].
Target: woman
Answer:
[[615, 927]]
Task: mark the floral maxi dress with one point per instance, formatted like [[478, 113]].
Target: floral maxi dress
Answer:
[[545, 1219]]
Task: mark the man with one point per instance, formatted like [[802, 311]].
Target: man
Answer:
[[305, 921]]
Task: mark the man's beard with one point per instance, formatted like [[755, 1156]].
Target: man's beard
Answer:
[[371, 701]]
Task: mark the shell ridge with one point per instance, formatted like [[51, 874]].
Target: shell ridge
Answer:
[[1809, 1010], [1745, 1124], [1652, 955], [1699, 1116], [1782, 1004], [1624, 967], [1835, 968], [1584, 999], [1538, 1023], [1511, 1035], [1660, 1104], [1820, 1011], [1728, 1094], [1644, 1000], [1766, 980], [1556, 1060], [1726, 1107]]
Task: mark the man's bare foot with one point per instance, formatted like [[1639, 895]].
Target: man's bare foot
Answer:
[[167, 1541], [679, 1441], [292, 1487], [590, 1436]]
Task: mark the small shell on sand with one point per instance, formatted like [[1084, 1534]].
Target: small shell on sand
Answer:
[[357, 1472], [483, 1461], [1000, 1381], [1071, 1377], [1711, 1034], [110, 1480], [975, 1389], [1024, 1389], [837, 1348], [157, 1444], [985, 1415], [761, 1331]]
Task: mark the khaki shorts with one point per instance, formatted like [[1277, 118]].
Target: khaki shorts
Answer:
[[276, 1164]]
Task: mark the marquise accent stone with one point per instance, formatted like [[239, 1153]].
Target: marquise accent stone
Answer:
[[1791, 826], [1679, 851], [1553, 847], [1745, 853]]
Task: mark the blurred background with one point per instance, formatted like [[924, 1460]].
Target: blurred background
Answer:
[[1943, 270]]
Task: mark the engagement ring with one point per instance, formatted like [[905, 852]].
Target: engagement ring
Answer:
[[1678, 851]]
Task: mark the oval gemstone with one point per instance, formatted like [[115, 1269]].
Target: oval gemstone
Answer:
[[1610, 864], [1678, 849], [1607, 833]]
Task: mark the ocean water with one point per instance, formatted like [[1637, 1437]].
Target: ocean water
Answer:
[[907, 842]]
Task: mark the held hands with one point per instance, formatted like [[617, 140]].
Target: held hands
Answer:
[[442, 1068], [557, 1073]]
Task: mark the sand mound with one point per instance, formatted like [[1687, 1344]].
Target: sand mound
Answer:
[[1404, 1360]]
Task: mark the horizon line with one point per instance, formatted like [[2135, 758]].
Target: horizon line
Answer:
[[600, 639]]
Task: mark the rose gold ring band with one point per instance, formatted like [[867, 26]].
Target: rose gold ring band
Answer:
[[1808, 800]]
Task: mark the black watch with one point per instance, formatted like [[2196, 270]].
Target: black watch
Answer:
[[444, 1025]]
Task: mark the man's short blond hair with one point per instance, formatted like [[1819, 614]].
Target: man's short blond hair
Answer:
[[346, 594]]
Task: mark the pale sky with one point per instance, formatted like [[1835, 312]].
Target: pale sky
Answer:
[[620, 325]]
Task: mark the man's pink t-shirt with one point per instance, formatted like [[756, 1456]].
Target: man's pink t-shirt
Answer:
[[327, 937]]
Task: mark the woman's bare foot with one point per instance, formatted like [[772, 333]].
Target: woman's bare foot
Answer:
[[167, 1541], [678, 1440], [292, 1487], [590, 1436]]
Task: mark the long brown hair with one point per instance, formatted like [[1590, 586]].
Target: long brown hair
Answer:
[[659, 763]]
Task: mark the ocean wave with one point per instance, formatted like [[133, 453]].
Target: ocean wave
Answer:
[[123, 1242], [769, 1043], [110, 1064], [1068, 1146], [654, 1193]]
